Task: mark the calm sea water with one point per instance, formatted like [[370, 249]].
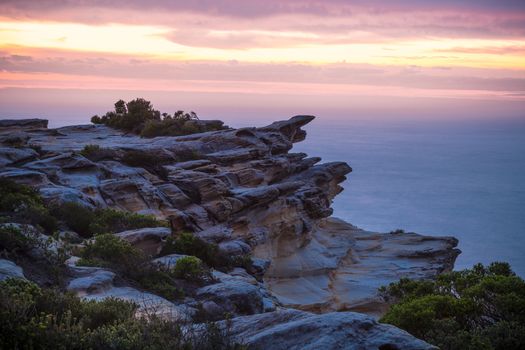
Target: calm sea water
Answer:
[[466, 180]]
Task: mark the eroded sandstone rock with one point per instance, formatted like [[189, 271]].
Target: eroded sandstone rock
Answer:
[[292, 329], [148, 239], [9, 269], [244, 191], [341, 267]]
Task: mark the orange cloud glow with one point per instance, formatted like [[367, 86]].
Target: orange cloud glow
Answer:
[[399, 48]]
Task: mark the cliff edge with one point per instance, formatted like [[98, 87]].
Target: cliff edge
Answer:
[[244, 191]]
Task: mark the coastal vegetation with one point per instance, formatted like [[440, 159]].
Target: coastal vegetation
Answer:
[[44, 315], [32, 317], [89, 222], [130, 263], [24, 205], [478, 308], [189, 244], [138, 116]]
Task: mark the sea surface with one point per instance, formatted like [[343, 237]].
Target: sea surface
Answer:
[[462, 179]]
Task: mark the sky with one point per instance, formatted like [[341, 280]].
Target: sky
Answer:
[[248, 60]]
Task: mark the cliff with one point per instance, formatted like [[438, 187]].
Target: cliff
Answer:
[[246, 192]]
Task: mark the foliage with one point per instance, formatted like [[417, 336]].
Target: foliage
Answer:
[[14, 196], [478, 308], [14, 241], [187, 243], [108, 250], [35, 318], [111, 220], [88, 222], [397, 232], [24, 205], [157, 280], [209, 253], [96, 153], [20, 242], [140, 117], [190, 268], [177, 126]]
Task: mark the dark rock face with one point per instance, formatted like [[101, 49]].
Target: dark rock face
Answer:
[[23, 123], [246, 192]]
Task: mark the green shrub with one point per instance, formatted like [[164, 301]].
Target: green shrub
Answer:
[[89, 150], [478, 308], [111, 220], [397, 232], [190, 268], [23, 204], [22, 243], [14, 241], [105, 312], [157, 280], [96, 153], [35, 318], [110, 251], [76, 216], [88, 222], [96, 119], [14, 196], [175, 127], [140, 117], [187, 243]]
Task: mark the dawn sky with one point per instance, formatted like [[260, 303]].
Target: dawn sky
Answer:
[[221, 53]]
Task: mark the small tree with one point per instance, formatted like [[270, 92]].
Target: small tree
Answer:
[[140, 117], [120, 107]]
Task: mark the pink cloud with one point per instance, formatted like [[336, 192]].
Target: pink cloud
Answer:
[[119, 71], [384, 19]]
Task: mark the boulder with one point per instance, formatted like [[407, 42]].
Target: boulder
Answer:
[[290, 329], [23, 123], [169, 261], [9, 269], [96, 282], [149, 239], [10, 155], [234, 296]]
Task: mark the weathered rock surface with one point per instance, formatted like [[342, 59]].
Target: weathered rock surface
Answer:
[[9, 269], [168, 261], [341, 266], [149, 240], [23, 123], [148, 303], [236, 293], [292, 329], [243, 190], [94, 283]]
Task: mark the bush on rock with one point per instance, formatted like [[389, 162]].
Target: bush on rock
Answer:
[[478, 308]]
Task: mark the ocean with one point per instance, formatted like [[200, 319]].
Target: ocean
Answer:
[[464, 179]]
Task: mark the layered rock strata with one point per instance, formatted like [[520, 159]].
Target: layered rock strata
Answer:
[[242, 189]]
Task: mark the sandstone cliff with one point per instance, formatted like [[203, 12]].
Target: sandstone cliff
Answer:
[[243, 190]]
